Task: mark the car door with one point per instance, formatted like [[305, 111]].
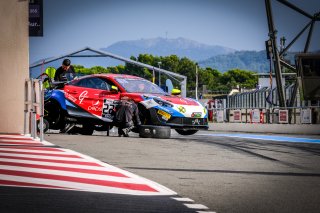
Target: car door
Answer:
[[91, 96]]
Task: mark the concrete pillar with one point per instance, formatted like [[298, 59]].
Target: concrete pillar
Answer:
[[14, 63]]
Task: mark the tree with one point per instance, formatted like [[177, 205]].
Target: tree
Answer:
[[241, 78], [214, 79]]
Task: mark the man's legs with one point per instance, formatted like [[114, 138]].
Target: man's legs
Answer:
[[128, 127]]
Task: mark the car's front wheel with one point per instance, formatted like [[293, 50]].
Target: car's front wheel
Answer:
[[186, 132]]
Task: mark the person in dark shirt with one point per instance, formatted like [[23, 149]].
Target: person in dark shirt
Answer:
[[127, 116], [65, 72]]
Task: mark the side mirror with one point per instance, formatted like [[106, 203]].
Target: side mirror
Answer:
[[175, 92], [114, 89]]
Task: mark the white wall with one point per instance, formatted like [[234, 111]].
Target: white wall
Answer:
[[14, 63]]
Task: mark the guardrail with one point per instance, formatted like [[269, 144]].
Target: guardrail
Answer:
[[33, 108], [288, 115]]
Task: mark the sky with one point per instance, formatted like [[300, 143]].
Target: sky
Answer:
[[70, 25]]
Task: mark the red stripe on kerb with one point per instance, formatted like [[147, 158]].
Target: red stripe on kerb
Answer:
[[42, 154], [13, 138], [16, 183], [34, 148], [53, 161], [15, 134], [129, 186], [60, 168]]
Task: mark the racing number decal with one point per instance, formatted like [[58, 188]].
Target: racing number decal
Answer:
[[108, 108]]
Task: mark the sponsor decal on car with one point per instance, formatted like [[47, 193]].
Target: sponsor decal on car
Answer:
[[94, 103], [70, 97], [95, 108], [108, 108], [82, 96], [196, 115], [181, 109], [196, 122], [165, 109], [165, 116], [149, 103]]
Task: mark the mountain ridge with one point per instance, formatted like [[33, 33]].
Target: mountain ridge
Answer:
[[159, 46]]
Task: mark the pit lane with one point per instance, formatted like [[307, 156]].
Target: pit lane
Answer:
[[224, 173]]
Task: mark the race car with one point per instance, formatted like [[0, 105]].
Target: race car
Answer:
[[91, 101]]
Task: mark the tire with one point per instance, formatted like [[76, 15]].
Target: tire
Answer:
[[149, 131], [54, 114], [45, 126], [87, 129], [186, 132], [144, 115]]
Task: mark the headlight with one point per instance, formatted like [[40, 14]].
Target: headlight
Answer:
[[162, 102]]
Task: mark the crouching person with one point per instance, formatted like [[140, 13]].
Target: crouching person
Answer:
[[127, 116]]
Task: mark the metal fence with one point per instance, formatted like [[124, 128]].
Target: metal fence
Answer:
[[33, 108], [260, 106]]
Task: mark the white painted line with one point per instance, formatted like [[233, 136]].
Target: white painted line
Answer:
[[195, 206], [205, 212], [182, 199], [100, 168]]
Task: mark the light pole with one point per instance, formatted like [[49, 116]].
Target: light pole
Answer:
[[196, 81], [159, 63]]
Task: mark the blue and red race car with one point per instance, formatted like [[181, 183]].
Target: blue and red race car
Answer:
[[90, 101]]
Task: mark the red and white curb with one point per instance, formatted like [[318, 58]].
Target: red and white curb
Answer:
[[20, 140], [25, 163]]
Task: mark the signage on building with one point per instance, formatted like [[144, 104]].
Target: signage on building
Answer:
[[283, 116], [35, 17], [237, 115], [219, 115], [255, 116], [306, 116]]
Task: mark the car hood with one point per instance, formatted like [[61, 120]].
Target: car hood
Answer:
[[173, 99], [179, 100]]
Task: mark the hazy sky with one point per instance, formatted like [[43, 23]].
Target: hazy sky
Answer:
[[70, 25]]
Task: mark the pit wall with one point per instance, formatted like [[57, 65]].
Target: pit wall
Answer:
[[14, 63]]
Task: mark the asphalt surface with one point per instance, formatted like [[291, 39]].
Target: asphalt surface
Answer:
[[226, 172], [17, 199]]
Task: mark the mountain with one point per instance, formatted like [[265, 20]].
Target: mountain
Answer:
[[181, 47], [247, 60]]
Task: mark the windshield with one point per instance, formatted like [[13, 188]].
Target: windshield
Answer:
[[139, 86]]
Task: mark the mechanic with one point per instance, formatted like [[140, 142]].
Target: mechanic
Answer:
[[210, 107], [127, 116], [65, 72]]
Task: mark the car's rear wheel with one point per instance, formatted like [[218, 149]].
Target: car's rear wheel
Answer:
[[54, 114], [45, 125], [186, 132]]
